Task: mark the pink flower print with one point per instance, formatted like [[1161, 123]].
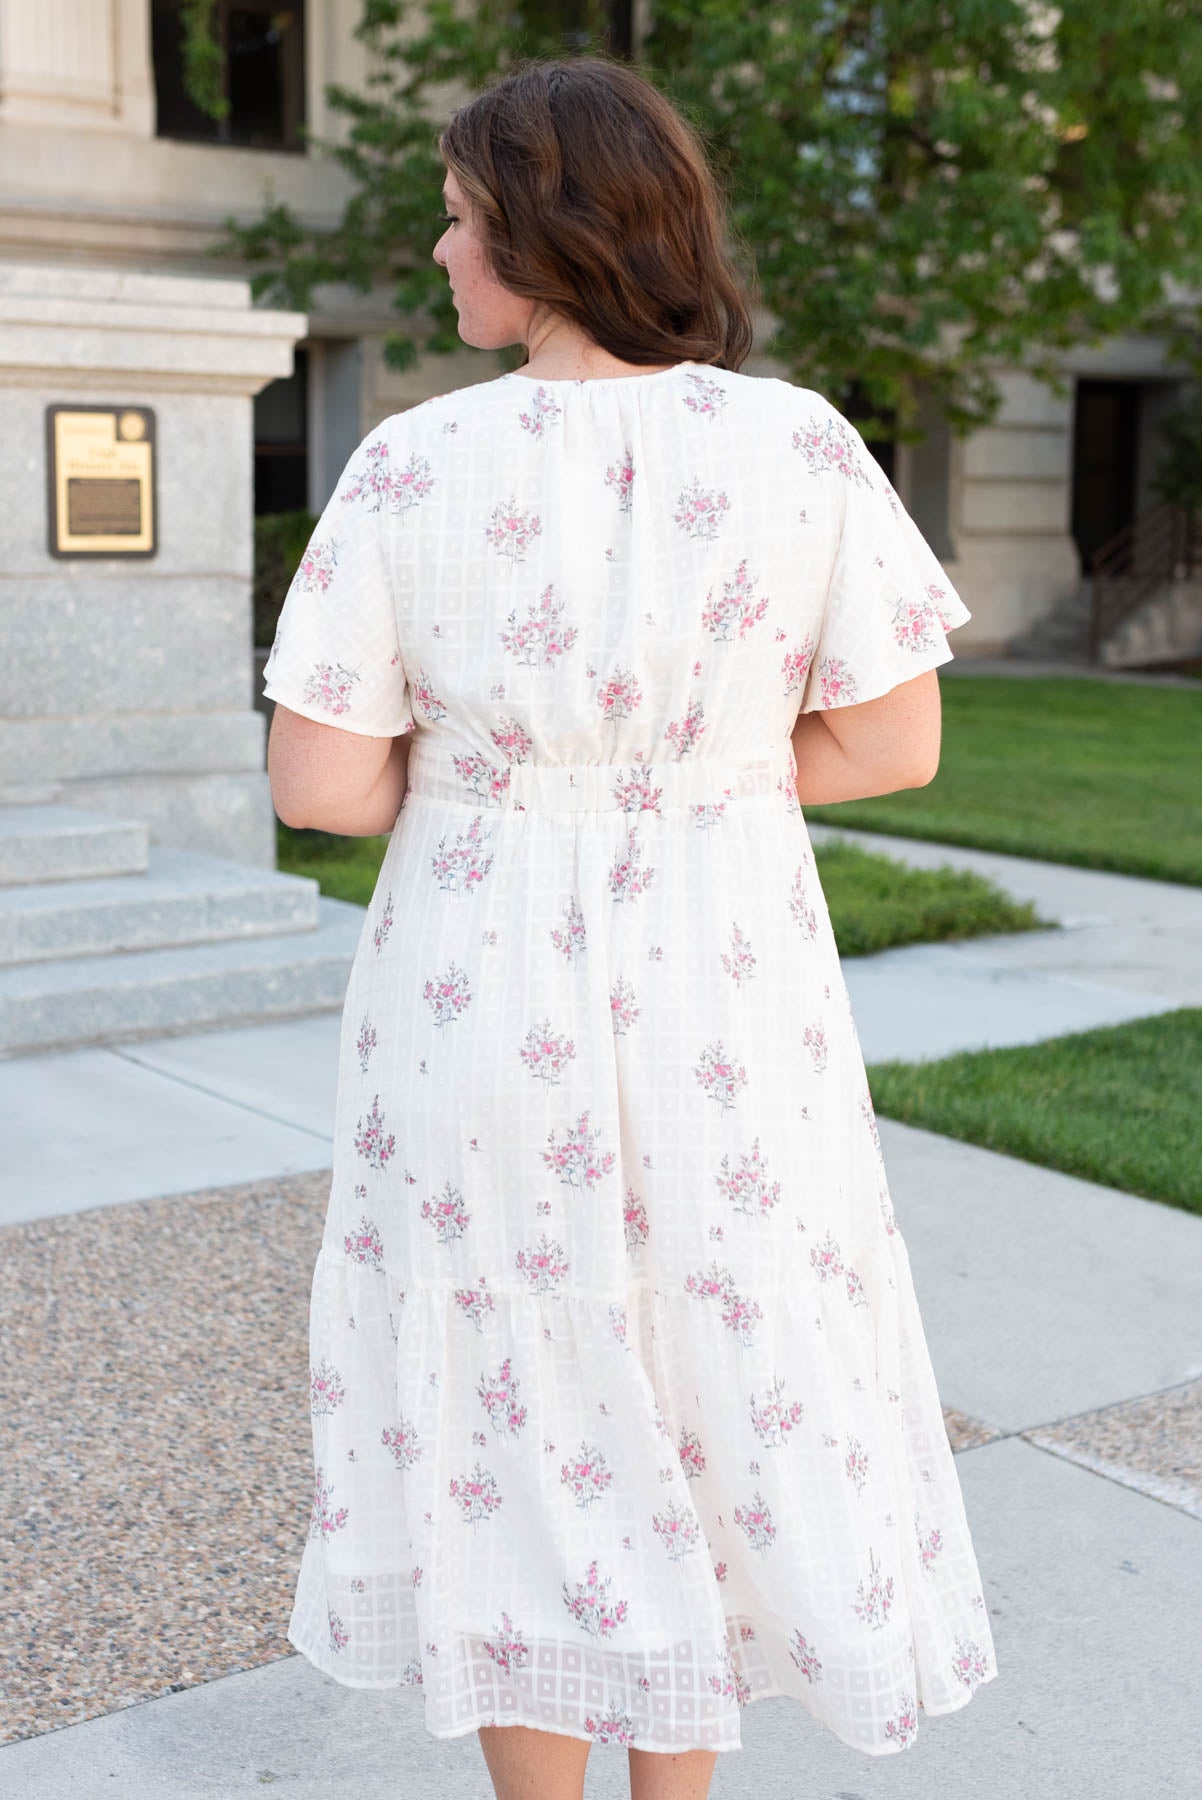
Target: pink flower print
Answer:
[[929, 1545], [730, 1684], [498, 1396], [691, 1454], [838, 683], [542, 637], [935, 594], [719, 1076], [970, 1664], [874, 1600], [803, 912], [316, 567], [475, 1303], [677, 1530], [887, 1212], [384, 924], [684, 734], [461, 869], [903, 1726], [589, 1604], [805, 1658], [868, 1114], [326, 1392], [619, 696], [707, 398], [572, 941], [587, 1476], [756, 1522], [855, 1288], [576, 1161], [401, 1443], [748, 1188], [830, 445], [545, 1055], [377, 483], [623, 1012], [855, 1463], [512, 531], [708, 813], [732, 616], [370, 1141], [738, 1314], [507, 1648], [328, 687], [425, 698], [512, 739], [826, 1258], [544, 1267], [366, 1042], [481, 779], [545, 411], [796, 665], [617, 1322], [914, 624], [340, 1637], [700, 510], [773, 1418], [627, 880], [448, 996], [634, 1220], [740, 964], [325, 1519], [617, 1727], [814, 1039], [364, 1245], [449, 1215], [620, 476], [637, 794], [410, 485], [477, 1495]]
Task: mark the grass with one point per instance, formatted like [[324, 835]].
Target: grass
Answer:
[[1118, 1105], [874, 903], [1096, 773]]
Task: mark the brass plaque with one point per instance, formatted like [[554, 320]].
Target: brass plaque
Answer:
[[101, 480]]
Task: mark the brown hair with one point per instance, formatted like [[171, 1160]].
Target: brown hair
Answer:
[[592, 195]]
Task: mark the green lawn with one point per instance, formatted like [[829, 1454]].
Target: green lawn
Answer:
[[1103, 774], [1119, 1105], [874, 902]]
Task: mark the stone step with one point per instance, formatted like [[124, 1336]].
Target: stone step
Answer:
[[148, 993], [67, 843], [180, 897]]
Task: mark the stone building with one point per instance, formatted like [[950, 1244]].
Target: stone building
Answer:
[[137, 701]]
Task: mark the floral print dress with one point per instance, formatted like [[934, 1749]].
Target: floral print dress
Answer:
[[623, 1416]]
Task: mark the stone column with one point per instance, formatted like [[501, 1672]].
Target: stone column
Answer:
[[129, 684]]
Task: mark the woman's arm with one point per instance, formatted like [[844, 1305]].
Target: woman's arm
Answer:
[[875, 747], [326, 779]]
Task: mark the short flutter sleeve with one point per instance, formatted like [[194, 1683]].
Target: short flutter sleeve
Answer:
[[337, 655], [889, 604]]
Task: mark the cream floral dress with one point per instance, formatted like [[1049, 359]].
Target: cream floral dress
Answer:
[[623, 1415]]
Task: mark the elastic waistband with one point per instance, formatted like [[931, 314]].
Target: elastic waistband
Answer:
[[473, 779]]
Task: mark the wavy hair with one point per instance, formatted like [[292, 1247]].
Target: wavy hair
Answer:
[[592, 195]]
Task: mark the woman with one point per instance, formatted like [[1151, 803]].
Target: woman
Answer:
[[623, 1415]]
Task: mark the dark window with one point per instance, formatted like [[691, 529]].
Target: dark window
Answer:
[[264, 46], [282, 441]]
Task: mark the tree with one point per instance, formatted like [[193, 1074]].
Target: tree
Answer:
[[929, 190]]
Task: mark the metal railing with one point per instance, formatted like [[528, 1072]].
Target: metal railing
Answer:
[[1160, 545]]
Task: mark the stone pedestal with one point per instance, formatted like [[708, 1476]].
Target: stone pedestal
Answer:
[[129, 684]]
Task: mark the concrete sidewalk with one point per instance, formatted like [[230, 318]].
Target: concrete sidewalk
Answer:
[[1064, 1322]]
